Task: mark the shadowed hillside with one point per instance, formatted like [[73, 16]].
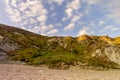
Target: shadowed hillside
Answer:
[[59, 52]]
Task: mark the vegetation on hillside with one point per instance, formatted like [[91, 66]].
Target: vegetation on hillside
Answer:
[[57, 52]]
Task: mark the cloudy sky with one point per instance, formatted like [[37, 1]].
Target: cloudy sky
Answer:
[[63, 17]]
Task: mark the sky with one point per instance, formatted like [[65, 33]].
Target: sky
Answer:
[[63, 17]]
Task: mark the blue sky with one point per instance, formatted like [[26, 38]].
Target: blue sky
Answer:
[[63, 17]]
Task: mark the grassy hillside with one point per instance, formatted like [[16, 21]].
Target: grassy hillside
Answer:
[[57, 52]]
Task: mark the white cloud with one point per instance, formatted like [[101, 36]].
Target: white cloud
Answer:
[[47, 27], [114, 10], [92, 32], [14, 14], [6, 1], [36, 29], [111, 6], [72, 13], [110, 28], [69, 12], [71, 7], [25, 10], [91, 2], [63, 19], [69, 26], [83, 31], [13, 3], [42, 19], [35, 9], [114, 29], [32, 20], [101, 23], [27, 13], [53, 31], [75, 18], [59, 2], [74, 4], [42, 29]]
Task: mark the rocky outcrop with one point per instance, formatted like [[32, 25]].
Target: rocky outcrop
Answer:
[[109, 53], [8, 45], [3, 56], [113, 53]]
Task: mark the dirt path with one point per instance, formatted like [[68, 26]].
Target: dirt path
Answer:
[[23, 72]]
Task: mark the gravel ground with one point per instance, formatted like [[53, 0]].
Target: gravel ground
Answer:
[[24, 72]]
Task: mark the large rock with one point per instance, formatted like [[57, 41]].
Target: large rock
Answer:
[[8, 45], [110, 53], [3, 56], [113, 53]]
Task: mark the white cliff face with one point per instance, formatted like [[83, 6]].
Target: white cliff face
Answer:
[[113, 53], [97, 52]]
